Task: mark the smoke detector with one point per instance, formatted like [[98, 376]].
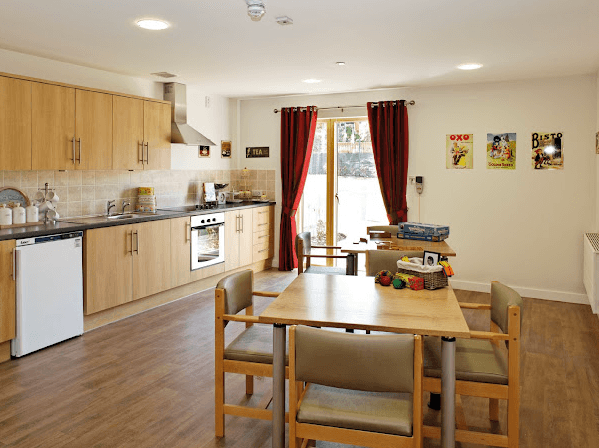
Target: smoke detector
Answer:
[[284, 20], [256, 9], [164, 74]]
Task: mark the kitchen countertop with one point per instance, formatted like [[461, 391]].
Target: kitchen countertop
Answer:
[[85, 223]]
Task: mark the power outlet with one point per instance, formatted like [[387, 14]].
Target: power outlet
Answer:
[[207, 102], [412, 180]]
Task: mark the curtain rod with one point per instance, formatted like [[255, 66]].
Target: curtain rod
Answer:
[[408, 103]]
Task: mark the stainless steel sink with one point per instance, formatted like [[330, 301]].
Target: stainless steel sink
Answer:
[[127, 216]]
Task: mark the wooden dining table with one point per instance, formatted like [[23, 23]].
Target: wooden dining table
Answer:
[[354, 302]]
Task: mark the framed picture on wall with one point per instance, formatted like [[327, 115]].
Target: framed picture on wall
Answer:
[[430, 258], [225, 149], [203, 151]]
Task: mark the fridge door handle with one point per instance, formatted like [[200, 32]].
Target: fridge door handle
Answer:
[[16, 260]]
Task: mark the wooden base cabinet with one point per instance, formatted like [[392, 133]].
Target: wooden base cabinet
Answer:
[[263, 233], [238, 238], [7, 291], [107, 268], [180, 251], [125, 263]]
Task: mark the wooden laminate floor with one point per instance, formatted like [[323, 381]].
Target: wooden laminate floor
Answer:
[[147, 381]]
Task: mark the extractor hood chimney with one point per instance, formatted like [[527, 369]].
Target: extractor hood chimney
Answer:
[[181, 132]]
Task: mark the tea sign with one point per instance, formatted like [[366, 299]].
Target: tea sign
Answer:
[[256, 152]]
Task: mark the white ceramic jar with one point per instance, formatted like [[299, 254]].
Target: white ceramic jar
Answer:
[[5, 215], [18, 214], [33, 213]]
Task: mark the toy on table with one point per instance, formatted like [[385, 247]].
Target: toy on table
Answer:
[[384, 280], [405, 258], [414, 283], [398, 283]]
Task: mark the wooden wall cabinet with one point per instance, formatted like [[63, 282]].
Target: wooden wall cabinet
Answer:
[[93, 130], [7, 291], [142, 134], [124, 263], [263, 233], [238, 238], [15, 124], [53, 145]]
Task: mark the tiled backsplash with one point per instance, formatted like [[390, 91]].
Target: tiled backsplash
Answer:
[[86, 192]]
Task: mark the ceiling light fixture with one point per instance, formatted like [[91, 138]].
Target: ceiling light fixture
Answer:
[[470, 66], [311, 81], [340, 64], [152, 24], [256, 9]]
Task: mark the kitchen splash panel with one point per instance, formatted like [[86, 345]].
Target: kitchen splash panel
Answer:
[[86, 192]]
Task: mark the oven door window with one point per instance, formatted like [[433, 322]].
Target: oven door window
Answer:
[[208, 243]]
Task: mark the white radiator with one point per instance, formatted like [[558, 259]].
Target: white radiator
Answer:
[[591, 269]]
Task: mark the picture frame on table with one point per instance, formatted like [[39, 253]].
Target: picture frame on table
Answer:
[[430, 258]]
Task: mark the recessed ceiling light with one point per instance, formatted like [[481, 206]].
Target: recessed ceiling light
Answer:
[[152, 24], [311, 81], [469, 66], [340, 63]]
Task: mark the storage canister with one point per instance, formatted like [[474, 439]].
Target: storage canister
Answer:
[[18, 214], [5, 215], [32, 213]]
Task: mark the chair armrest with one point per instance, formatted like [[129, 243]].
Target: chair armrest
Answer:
[[266, 294], [325, 247], [325, 256], [489, 335], [240, 318], [474, 306]]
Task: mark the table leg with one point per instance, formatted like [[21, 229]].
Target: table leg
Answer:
[[355, 263], [278, 386], [447, 392]]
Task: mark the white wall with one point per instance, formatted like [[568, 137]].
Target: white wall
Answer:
[[214, 122], [522, 227]]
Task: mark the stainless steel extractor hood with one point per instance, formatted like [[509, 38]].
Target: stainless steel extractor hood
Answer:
[[181, 132]]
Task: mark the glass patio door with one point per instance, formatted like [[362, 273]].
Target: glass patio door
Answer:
[[342, 195]]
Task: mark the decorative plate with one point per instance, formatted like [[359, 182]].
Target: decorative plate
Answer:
[[10, 195]]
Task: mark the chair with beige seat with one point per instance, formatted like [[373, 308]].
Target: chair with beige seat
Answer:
[[482, 367], [360, 389], [249, 354], [386, 260], [303, 249]]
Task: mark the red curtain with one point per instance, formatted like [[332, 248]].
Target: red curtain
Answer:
[[389, 134], [298, 126]]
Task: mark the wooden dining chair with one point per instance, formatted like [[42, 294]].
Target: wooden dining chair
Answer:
[[303, 249], [354, 389], [249, 354], [483, 369], [386, 260]]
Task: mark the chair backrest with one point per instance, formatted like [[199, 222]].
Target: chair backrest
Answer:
[[376, 363], [503, 297], [306, 238], [391, 229], [386, 260], [238, 289]]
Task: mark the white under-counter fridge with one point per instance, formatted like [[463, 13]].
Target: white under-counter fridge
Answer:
[[49, 291]]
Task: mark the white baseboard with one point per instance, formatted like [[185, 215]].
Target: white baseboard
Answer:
[[546, 294]]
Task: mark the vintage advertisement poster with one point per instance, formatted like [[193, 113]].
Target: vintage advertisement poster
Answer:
[[547, 150], [501, 151], [459, 151]]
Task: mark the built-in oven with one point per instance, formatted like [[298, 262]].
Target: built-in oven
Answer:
[[207, 240]]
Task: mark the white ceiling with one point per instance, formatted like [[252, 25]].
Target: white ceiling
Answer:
[[385, 43]]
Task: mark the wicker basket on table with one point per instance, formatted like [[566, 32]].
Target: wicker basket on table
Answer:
[[432, 280]]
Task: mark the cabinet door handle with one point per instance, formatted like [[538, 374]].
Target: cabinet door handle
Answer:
[[74, 159], [130, 251], [147, 153], [188, 235], [79, 140], [238, 217], [136, 242], [13, 260], [142, 152], [263, 224], [263, 250], [264, 236], [260, 213], [241, 216]]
